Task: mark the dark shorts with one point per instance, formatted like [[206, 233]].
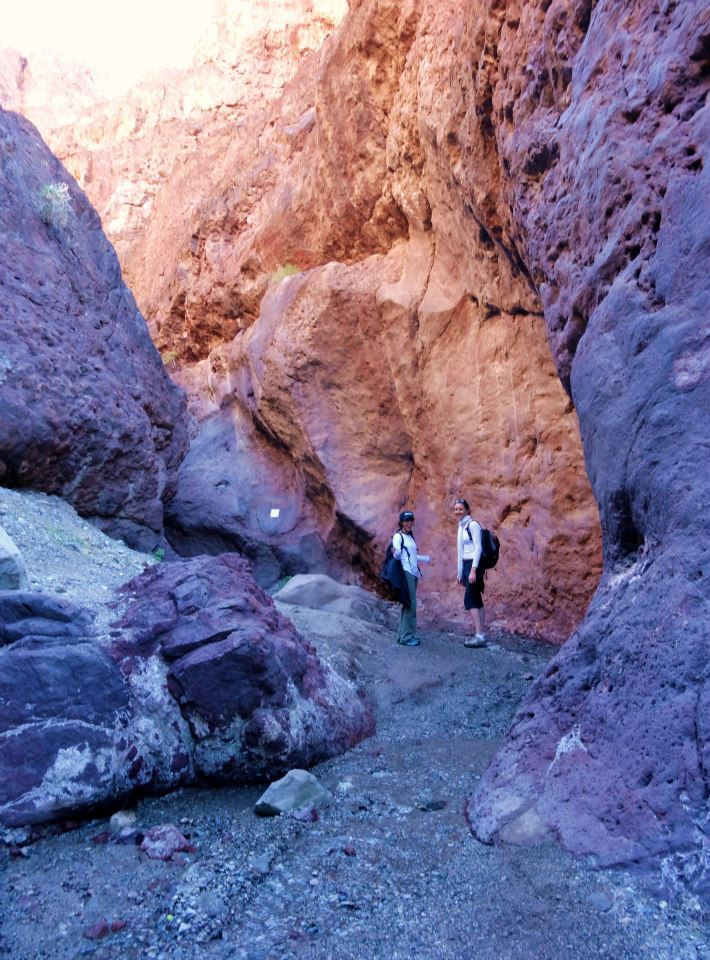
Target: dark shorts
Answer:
[[472, 599]]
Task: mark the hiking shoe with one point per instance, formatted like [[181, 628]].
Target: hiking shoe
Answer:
[[478, 640], [414, 642]]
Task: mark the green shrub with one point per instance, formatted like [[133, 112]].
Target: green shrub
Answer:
[[285, 270], [55, 206], [158, 554], [169, 356]]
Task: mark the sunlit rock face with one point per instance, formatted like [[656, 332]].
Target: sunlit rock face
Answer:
[[50, 90], [87, 410], [124, 153], [407, 364]]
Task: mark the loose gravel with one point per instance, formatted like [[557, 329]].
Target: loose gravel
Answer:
[[388, 870]]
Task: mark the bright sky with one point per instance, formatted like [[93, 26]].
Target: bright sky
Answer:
[[122, 40]]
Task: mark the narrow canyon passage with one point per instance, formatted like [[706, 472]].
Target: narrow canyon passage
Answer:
[[384, 256]]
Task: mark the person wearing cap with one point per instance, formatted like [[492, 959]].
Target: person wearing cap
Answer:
[[404, 548]]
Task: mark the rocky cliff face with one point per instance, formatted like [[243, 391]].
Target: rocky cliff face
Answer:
[[406, 363], [454, 186], [599, 116], [86, 408]]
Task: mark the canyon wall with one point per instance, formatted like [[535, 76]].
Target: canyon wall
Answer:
[[359, 289], [87, 410], [350, 315]]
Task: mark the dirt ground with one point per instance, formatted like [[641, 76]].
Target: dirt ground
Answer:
[[390, 868]]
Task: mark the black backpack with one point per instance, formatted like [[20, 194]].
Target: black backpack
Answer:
[[490, 548], [392, 576]]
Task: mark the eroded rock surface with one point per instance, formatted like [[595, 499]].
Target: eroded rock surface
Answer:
[[204, 680], [603, 109], [87, 410], [406, 363]]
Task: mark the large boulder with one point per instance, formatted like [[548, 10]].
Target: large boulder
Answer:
[[319, 592], [87, 410], [203, 680]]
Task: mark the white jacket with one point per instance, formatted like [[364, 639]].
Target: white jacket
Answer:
[[468, 548], [404, 548]]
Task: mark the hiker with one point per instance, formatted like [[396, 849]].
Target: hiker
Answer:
[[469, 548], [404, 548]]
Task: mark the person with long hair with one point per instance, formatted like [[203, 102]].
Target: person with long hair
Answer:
[[469, 573]]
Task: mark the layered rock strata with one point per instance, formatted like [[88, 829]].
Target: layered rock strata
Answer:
[[204, 681], [87, 410]]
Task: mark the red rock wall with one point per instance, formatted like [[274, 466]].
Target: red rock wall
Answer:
[[408, 366]]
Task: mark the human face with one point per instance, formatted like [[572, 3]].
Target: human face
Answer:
[[407, 525], [459, 511]]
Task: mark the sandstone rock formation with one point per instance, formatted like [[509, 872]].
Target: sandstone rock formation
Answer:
[[204, 680], [87, 410]]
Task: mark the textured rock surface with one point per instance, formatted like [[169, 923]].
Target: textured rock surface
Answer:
[[318, 592], [610, 751], [86, 408], [204, 680], [13, 573], [298, 789], [304, 390]]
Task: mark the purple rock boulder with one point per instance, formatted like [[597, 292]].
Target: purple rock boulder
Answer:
[[205, 681], [87, 410], [253, 693]]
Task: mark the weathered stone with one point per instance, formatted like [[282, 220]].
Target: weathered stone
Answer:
[[82, 725], [13, 573], [320, 592], [255, 697], [296, 791], [163, 842], [24, 615], [87, 410]]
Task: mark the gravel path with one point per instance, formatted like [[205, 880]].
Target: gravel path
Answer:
[[389, 870]]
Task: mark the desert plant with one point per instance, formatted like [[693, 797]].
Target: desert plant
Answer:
[[55, 205], [285, 270], [158, 554], [169, 356]]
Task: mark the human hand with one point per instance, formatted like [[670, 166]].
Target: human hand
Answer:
[[472, 576]]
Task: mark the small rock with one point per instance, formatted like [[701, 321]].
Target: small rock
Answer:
[[600, 901], [349, 851], [122, 819], [102, 837], [98, 930], [161, 843], [345, 786], [117, 925], [307, 814], [296, 790]]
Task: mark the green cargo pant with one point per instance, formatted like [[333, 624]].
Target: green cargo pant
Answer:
[[408, 618]]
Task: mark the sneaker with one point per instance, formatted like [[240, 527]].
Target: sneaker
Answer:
[[478, 640], [414, 642]]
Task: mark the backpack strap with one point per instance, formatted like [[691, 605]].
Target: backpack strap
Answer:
[[403, 546]]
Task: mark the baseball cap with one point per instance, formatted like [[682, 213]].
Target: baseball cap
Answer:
[[406, 515]]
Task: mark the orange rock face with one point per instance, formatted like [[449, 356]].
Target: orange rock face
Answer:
[[406, 363]]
